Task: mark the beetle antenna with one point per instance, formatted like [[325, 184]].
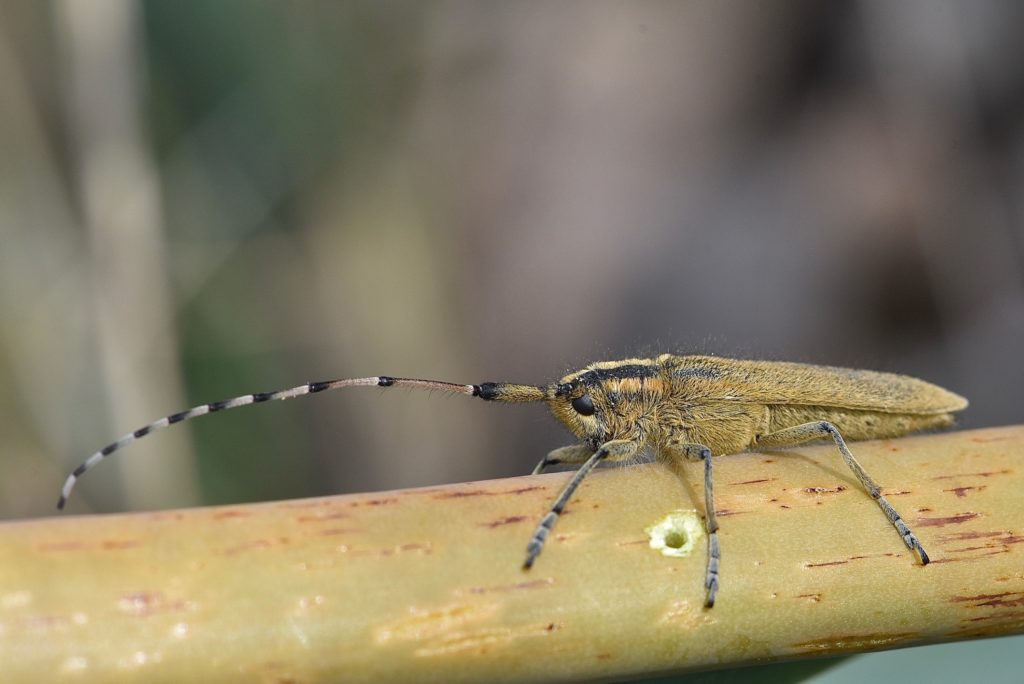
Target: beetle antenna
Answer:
[[492, 391]]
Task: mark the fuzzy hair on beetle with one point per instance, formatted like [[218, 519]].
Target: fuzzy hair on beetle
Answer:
[[677, 407]]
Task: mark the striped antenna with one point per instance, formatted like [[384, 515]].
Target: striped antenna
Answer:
[[488, 390]]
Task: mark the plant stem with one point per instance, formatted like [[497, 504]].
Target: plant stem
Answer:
[[428, 585]]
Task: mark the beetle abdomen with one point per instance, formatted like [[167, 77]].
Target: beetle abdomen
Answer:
[[856, 424]]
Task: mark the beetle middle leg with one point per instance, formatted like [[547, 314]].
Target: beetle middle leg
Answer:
[[822, 429], [699, 452]]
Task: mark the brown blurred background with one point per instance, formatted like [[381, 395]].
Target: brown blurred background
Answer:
[[205, 199], [199, 200]]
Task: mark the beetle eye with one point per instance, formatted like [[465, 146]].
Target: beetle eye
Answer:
[[584, 405]]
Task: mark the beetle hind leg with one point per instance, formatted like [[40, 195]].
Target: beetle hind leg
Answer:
[[823, 429]]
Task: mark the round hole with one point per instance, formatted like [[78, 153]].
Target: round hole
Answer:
[[675, 539], [676, 534]]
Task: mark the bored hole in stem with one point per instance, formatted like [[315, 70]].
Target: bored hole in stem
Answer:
[[675, 539], [676, 534]]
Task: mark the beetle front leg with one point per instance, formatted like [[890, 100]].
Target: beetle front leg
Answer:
[[615, 450]]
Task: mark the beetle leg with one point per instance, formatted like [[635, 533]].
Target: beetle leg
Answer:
[[823, 429]]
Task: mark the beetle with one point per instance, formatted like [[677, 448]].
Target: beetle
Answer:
[[677, 407]]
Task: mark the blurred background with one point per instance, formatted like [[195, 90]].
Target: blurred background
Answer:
[[200, 200]]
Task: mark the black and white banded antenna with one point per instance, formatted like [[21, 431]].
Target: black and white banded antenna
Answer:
[[492, 391]]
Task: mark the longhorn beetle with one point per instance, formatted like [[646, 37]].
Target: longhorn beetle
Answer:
[[690, 407]]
